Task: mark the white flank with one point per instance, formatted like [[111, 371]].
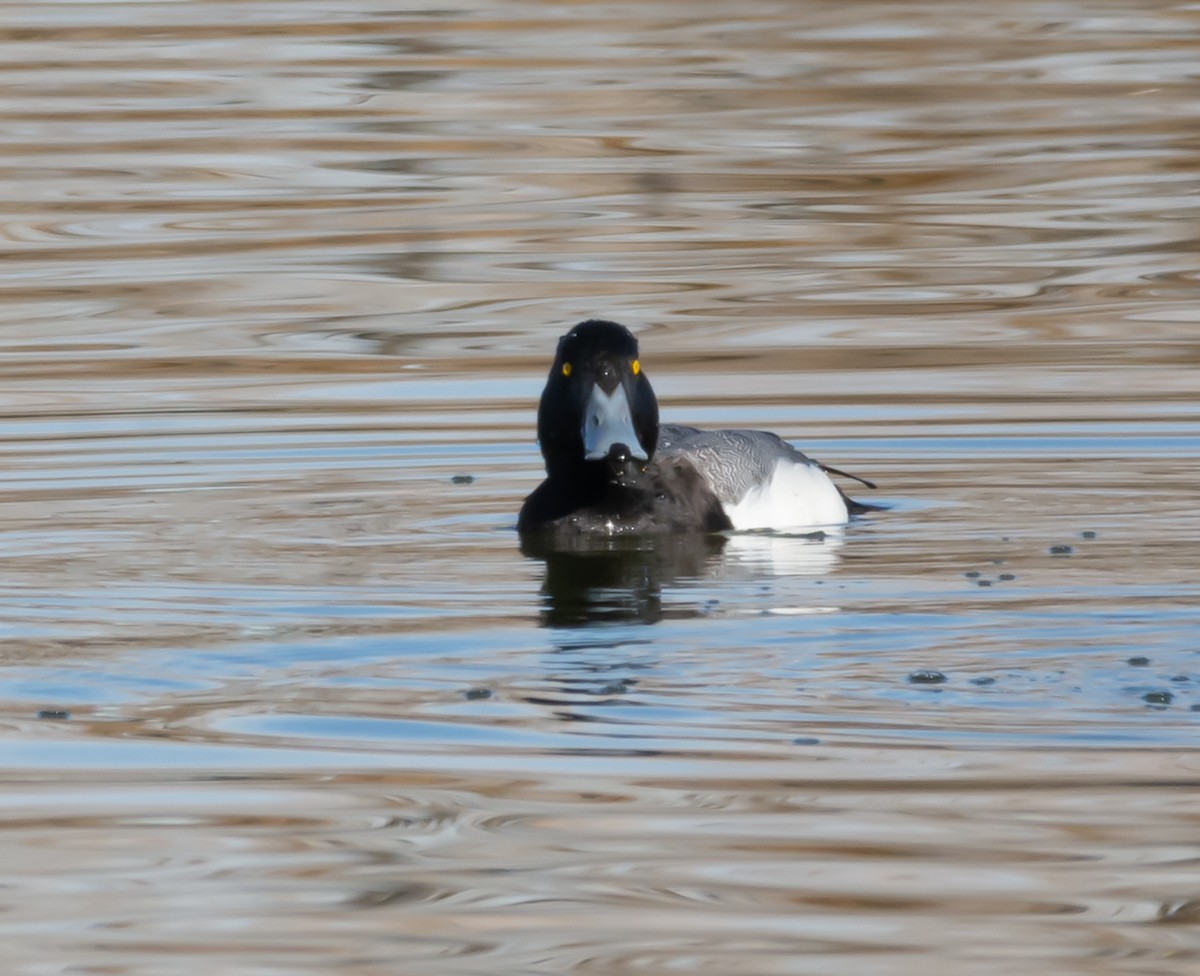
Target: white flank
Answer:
[[795, 497]]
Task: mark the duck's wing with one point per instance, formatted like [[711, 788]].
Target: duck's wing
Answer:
[[759, 477], [734, 462]]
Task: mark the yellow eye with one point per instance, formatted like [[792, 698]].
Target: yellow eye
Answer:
[[566, 369], [637, 367]]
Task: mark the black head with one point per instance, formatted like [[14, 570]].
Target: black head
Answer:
[[598, 412]]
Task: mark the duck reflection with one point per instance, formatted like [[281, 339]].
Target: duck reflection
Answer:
[[591, 580]]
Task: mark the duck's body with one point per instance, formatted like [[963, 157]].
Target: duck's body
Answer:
[[668, 496], [612, 470], [761, 480]]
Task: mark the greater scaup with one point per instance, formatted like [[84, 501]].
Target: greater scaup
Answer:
[[611, 469]]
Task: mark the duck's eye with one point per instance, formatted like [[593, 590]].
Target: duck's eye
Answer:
[[566, 370], [636, 367]]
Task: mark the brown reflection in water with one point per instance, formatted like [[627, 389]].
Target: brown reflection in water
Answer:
[[836, 857], [822, 172]]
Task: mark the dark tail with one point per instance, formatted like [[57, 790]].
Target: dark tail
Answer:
[[853, 506]]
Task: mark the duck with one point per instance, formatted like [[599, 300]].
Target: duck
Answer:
[[613, 470]]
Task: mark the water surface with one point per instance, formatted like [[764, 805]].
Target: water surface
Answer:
[[280, 691]]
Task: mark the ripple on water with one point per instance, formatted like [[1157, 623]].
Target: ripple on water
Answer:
[[279, 690]]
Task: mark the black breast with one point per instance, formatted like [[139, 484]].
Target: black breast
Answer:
[[667, 497]]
